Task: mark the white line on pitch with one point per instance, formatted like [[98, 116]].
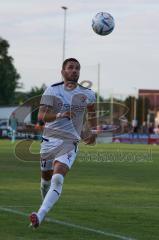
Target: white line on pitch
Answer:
[[71, 225]]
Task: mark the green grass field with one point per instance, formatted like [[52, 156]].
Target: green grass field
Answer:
[[111, 192]]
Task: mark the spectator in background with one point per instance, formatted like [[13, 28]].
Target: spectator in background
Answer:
[[13, 123], [144, 128], [151, 128]]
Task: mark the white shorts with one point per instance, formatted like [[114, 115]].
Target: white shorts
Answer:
[[55, 149]]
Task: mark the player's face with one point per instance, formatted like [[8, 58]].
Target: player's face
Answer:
[[71, 71]]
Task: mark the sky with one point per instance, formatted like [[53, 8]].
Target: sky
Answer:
[[128, 57]]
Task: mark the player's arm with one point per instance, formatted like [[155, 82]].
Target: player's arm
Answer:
[[46, 114], [92, 123]]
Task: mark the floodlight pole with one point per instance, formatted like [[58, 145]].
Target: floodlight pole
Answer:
[[135, 103], [64, 33], [111, 107], [135, 108], [98, 94]]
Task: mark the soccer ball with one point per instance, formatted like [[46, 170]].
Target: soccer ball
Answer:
[[103, 23]]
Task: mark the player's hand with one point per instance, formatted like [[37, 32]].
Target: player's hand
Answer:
[[91, 139]]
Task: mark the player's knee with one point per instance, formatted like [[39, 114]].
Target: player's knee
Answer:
[[57, 179], [47, 175], [57, 182]]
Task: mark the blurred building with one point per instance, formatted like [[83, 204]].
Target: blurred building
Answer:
[[23, 114], [153, 108]]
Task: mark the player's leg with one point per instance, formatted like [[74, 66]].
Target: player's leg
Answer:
[[62, 164], [49, 149], [46, 175], [52, 196], [45, 182], [60, 170]]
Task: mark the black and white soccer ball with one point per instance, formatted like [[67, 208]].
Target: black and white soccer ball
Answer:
[[103, 23]]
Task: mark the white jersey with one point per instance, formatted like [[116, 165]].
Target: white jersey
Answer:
[[62, 100]]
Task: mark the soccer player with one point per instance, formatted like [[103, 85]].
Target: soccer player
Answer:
[[63, 106]]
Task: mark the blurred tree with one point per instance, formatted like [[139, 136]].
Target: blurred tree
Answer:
[[101, 99], [8, 75], [20, 97], [35, 93], [142, 107], [129, 102]]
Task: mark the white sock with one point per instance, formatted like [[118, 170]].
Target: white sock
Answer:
[[44, 187], [52, 196]]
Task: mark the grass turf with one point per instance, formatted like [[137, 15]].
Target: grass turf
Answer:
[[111, 187]]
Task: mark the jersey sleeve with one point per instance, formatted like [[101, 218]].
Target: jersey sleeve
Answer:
[[47, 97], [91, 98]]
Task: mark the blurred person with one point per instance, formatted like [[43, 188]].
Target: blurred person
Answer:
[[151, 128], [13, 123], [144, 128]]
